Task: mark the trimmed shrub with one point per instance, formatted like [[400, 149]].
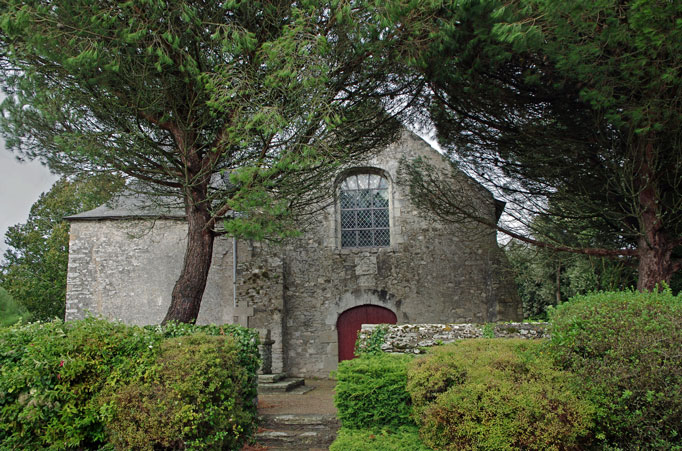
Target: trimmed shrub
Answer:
[[53, 377], [405, 438], [51, 373], [497, 394], [626, 346], [247, 341], [370, 392], [191, 397]]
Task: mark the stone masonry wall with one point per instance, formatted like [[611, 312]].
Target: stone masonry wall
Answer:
[[412, 338], [125, 270], [261, 292], [432, 271]]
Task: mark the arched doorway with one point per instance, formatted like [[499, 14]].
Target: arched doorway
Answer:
[[351, 320]]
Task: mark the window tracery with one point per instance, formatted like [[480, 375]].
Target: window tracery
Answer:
[[364, 210]]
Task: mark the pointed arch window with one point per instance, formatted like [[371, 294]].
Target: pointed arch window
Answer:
[[364, 211]]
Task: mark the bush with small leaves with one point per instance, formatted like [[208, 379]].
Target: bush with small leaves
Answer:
[[370, 392], [405, 438], [626, 347], [191, 397], [500, 394], [57, 381]]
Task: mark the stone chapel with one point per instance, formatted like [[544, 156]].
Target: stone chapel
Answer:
[[372, 257]]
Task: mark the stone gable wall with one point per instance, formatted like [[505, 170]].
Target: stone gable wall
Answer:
[[431, 272]]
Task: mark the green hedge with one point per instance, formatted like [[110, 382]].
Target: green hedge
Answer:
[[627, 348], [370, 392], [58, 380], [609, 378], [191, 396], [247, 345], [497, 394], [405, 438]]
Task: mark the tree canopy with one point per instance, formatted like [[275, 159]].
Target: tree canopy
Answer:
[[565, 110], [10, 310], [267, 96], [546, 277], [34, 268]]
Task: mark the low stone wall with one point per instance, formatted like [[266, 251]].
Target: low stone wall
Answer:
[[412, 338]]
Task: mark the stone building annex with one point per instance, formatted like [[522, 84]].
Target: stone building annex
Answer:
[[370, 257]]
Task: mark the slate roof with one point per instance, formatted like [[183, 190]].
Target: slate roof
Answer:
[[131, 204]]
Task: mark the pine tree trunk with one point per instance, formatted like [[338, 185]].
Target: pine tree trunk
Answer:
[[189, 288], [557, 286], [655, 263], [654, 248]]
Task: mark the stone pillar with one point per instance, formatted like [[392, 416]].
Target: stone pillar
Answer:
[[261, 288], [265, 349]]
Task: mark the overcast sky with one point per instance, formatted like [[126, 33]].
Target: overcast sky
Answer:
[[20, 186]]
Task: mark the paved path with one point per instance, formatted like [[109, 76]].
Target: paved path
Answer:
[[302, 420]]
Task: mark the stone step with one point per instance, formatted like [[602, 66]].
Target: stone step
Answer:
[[271, 378], [275, 420], [285, 385], [292, 439], [297, 432]]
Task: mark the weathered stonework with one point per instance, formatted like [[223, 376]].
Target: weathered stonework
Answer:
[[413, 338], [125, 270], [432, 272]]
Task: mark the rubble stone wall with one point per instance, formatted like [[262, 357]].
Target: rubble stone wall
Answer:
[[413, 338]]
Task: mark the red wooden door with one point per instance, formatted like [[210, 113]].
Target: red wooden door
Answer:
[[351, 320]]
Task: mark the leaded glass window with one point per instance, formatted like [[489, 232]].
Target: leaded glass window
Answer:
[[364, 211]]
